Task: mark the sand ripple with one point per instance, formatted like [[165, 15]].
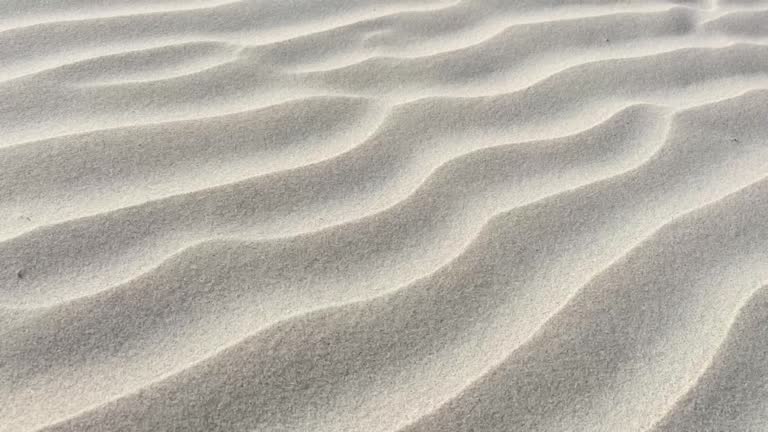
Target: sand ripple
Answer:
[[409, 215]]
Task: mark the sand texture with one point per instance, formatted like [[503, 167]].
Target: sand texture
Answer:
[[384, 215]]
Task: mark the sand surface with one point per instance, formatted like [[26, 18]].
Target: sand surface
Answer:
[[384, 215]]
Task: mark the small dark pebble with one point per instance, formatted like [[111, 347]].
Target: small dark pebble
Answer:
[[20, 274]]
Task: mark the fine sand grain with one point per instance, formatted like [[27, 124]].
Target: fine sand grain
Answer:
[[384, 215]]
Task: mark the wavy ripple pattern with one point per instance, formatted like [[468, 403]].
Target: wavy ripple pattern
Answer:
[[385, 216]]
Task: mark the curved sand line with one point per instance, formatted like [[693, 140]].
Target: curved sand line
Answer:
[[410, 215], [72, 234], [165, 244], [640, 176], [343, 312], [742, 351]]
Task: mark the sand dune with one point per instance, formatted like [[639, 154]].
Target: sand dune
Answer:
[[410, 215]]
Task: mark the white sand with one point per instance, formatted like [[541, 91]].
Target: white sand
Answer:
[[384, 215]]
